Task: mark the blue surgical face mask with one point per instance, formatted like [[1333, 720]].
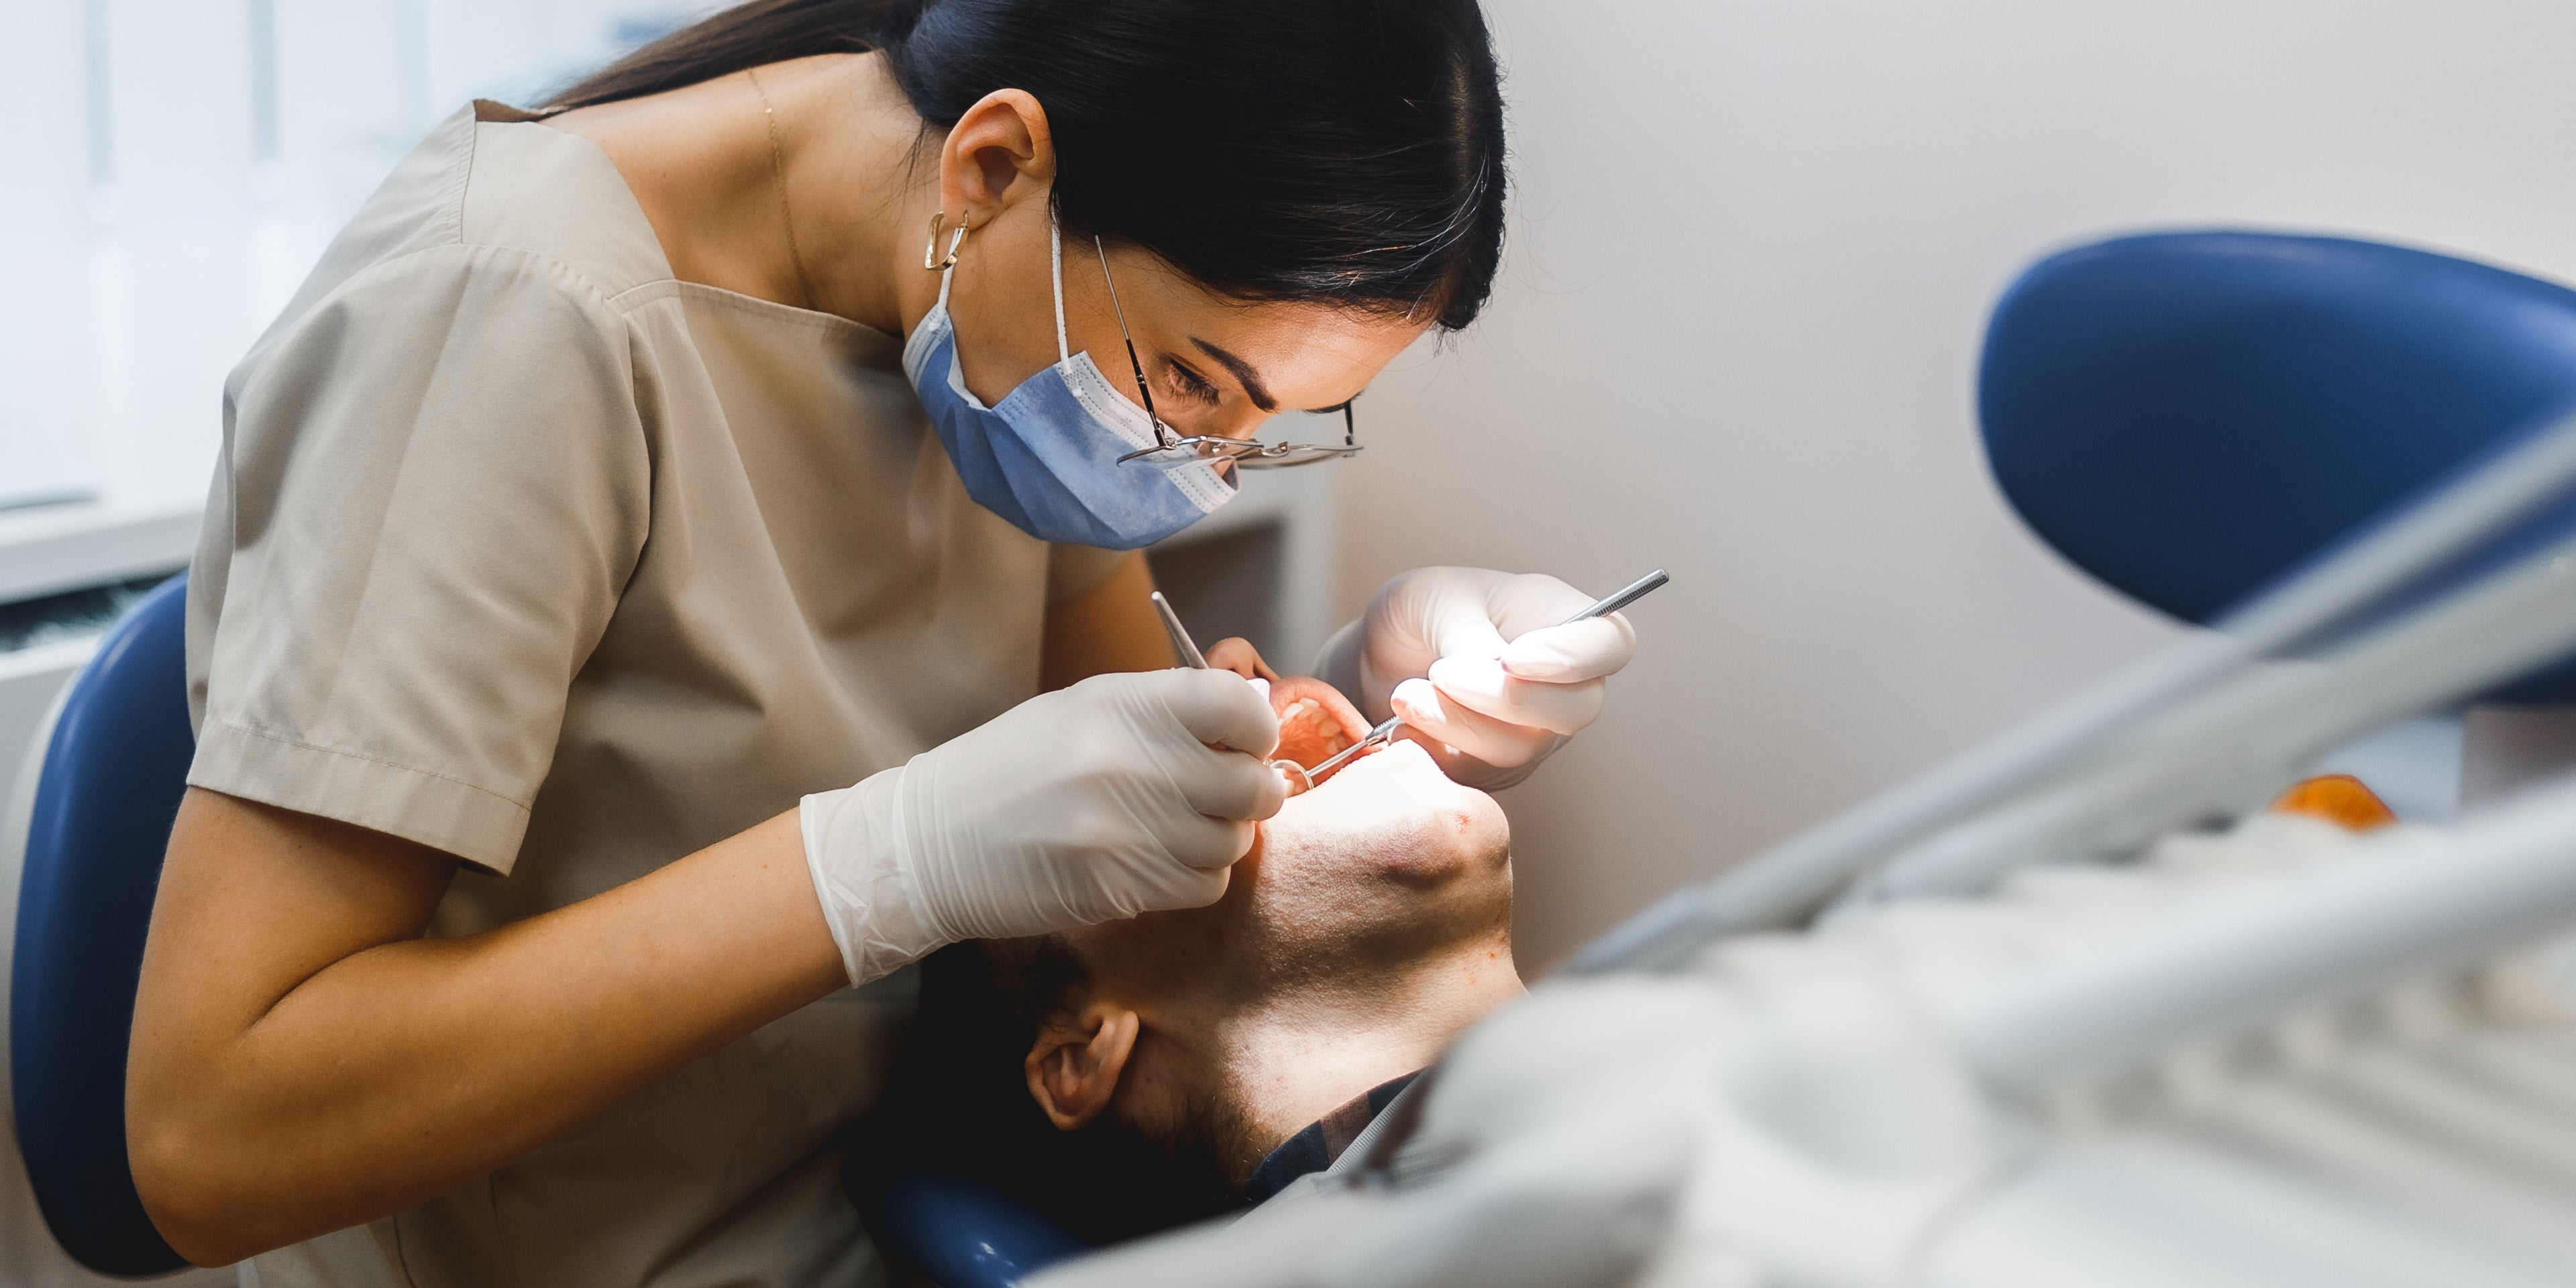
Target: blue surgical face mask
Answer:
[[1046, 457]]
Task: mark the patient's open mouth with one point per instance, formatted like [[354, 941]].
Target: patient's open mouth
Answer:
[[1315, 721]]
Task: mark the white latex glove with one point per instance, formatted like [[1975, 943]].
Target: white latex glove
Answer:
[[1089, 804], [1474, 659]]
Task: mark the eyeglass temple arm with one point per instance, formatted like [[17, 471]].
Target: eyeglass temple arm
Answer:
[[1161, 435]]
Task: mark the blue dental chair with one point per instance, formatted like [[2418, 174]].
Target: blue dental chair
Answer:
[[2191, 416], [114, 768]]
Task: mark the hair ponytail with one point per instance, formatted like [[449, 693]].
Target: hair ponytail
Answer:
[[744, 36], [1345, 152]]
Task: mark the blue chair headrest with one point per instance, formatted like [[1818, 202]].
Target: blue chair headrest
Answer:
[[965, 1235], [2190, 416], [109, 789]]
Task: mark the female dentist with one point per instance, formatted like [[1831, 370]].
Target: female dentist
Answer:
[[758, 420]]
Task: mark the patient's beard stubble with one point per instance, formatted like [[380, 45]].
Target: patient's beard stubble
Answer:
[[1207, 1133]]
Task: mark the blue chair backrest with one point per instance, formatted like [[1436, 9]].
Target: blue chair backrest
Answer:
[[2190, 416], [112, 776]]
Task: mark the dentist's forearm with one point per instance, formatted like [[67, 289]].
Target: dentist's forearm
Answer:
[[303, 1061]]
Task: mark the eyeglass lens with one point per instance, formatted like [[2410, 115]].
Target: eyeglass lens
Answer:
[[1298, 448]]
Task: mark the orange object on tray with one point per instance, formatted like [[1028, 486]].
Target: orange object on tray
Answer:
[[2340, 799]]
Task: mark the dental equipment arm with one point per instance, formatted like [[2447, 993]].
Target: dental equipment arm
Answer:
[[2221, 755], [1786, 882]]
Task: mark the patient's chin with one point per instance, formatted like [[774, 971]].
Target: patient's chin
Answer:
[[1394, 813]]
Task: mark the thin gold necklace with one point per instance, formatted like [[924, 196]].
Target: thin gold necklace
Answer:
[[778, 167]]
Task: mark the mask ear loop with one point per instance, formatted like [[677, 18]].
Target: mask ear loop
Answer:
[[1055, 262]]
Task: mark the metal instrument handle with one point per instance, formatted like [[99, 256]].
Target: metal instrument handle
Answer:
[[1181, 642]]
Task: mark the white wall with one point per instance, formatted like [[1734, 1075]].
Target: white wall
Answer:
[[165, 196], [1754, 247]]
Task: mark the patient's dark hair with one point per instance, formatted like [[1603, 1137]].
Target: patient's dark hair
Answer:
[[1345, 152], [957, 1105]]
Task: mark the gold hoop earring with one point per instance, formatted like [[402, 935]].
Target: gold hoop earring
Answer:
[[931, 258]]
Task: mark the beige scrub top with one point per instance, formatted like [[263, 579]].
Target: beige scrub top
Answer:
[[524, 550]]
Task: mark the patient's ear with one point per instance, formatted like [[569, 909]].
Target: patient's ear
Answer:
[[1073, 1066]]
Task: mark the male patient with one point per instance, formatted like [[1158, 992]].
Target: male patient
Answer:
[[1129, 1076]]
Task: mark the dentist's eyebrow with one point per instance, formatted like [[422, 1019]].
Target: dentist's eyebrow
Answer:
[[1252, 387]]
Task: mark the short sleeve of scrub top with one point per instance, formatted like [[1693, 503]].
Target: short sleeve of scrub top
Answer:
[[520, 548], [442, 541]]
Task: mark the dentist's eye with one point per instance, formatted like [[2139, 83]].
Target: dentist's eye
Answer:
[[1193, 386]]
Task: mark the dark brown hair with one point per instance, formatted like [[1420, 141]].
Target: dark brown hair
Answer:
[[1346, 152], [957, 1105]]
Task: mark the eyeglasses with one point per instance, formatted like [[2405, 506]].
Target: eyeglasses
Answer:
[[1173, 448]]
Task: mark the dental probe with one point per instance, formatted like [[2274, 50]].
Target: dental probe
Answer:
[[1603, 607], [1197, 661], [1181, 642]]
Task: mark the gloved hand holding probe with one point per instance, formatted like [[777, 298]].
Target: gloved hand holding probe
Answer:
[[1477, 659], [1119, 795]]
